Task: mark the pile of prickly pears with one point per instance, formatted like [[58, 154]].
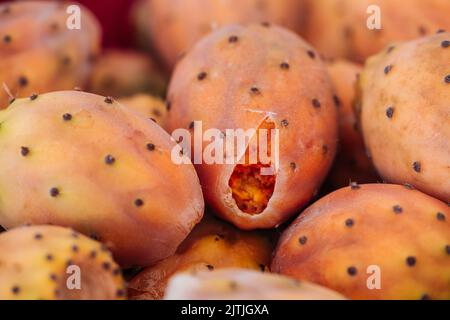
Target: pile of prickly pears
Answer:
[[272, 149]]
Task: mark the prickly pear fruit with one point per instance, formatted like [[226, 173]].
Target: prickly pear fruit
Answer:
[[182, 30], [347, 28], [38, 53], [120, 73], [405, 112], [211, 245], [43, 262], [372, 241], [76, 159], [352, 163], [258, 77], [242, 284], [149, 106]]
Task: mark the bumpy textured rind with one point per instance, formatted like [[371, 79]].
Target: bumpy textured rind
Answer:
[[353, 236], [211, 245], [339, 28], [149, 106], [49, 262], [120, 73], [405, 113], [242, 284], [186, 21], [352, 163], [39, 53], [81, 160], [238, 77]]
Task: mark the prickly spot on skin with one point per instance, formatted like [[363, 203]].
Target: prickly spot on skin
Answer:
[[316, 103], [284, 123], [7, 39], [150, 146], [397, 209], [23, 81], [54, 192], [354, 186], [38, 236], [411, 261], [337, 101], [233, 39], [445, 44], [390, 112], [138, 203], [417, 166], [109, 159], [202, 76], [311, 54], [67, 117], [352, 271], [390, 49], [284, 66], [349, 222], [293, 165], [447, 78], [388, 69], [24, 151], [440, 216], [109, 100], [255, 91], [33, 96], [303, 240]]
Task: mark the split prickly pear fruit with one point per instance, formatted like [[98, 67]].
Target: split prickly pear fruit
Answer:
[[187, 21], [81, 160], [242, 284], [372, 241], [358, 29], [149, 106], [39, 53], [405, 112], [254, 78], [121, 73], [50, 262], [212, 245], [352, 163]]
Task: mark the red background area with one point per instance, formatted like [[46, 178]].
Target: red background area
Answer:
[[114, 18]]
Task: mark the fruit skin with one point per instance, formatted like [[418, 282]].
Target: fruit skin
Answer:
[[121, 73], [41, 53], [338, 28], [211, 245], [182, 31], [242, 284], [404, 113], [149, 106], [352, 163], [35, 260], [293, 92], [76, 159], [403, 231]]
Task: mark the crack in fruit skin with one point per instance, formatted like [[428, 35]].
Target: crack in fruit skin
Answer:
[[267, 74], [35, 58], [39, 270], [340, 237], [107, 172]]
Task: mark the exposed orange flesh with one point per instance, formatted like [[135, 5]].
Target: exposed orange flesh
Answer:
[[251, 190]]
